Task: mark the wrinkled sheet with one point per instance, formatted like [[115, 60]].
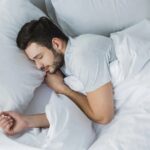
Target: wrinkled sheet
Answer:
[[130, 128]]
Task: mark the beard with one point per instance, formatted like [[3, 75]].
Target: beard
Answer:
[[58, 61]]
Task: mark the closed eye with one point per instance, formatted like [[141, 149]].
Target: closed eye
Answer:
[[39, 57]]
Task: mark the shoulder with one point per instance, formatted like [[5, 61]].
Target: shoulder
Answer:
[[91, 36], [91, 39], [91, 43], [89, 48]]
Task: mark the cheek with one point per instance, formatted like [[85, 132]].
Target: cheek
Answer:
[[49, 59]]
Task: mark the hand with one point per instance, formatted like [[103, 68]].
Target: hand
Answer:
[[6, 122], [56, 82], [12, 122]]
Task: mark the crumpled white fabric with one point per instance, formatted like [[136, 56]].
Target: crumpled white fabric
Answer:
[[130, 128], [132, 48], [70, 129], [131, 82]]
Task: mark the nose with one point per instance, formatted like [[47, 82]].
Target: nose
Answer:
[[39, 65]]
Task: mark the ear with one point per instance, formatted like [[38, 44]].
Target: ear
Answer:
[[57, 44]]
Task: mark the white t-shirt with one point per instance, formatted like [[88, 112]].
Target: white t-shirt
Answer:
[[87, 57]]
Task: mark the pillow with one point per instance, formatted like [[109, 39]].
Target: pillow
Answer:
[[40, 4], [100, 17], [51, 11], [132, 47], [18, 76]]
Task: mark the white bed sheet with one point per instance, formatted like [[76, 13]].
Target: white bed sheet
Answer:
[[130, 128], [40, 99], [8, 144], [34, 138]]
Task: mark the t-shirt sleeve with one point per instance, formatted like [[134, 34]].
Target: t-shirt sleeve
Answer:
[[92, 70]]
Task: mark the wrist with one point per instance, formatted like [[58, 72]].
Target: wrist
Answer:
[[65, 90], [29, 122], [36, 121], [62, 89]]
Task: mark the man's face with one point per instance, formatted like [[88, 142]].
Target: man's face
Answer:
[[44, 58]]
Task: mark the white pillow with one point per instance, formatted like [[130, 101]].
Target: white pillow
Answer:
[[50, 10], [40, 4], [18, 76], [99, 16], [132, 47]]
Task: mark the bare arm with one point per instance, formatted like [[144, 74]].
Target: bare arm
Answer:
[[13, 122], [37, 121], [97, 105]]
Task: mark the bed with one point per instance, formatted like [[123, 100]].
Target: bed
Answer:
[[130, 73]]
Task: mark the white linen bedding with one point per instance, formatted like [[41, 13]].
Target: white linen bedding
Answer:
[[33, 138], [8, 144], [130, 127]]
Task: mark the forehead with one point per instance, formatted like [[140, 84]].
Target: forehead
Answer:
[[34, 49]]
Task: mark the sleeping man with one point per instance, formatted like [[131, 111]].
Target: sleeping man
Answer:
[[86, 57]]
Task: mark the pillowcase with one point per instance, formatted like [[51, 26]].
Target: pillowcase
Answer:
[[132, 47], [18, 76], [51, 11], [40, 4], [77, 17]]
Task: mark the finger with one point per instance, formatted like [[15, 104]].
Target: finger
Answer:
[[14, 114], [9, 122], [8, 126], [8, 129], [2, 117], [3, 113], [5, 121], [9, 132], [8, 113]]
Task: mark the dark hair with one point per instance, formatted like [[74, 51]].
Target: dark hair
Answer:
[[41, 31]]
